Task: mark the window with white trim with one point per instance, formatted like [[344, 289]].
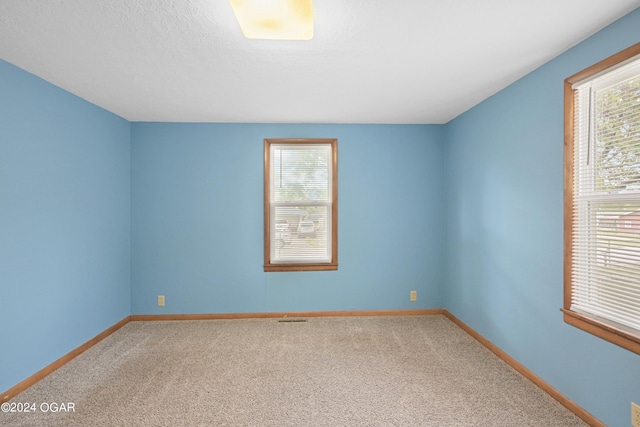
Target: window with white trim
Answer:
[[602, 199], [300, 204]]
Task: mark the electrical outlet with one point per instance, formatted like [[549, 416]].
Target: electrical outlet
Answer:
[[160, 300], [414, 296], [635, 414]]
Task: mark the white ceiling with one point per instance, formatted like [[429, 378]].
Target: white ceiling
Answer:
[[370, 61]]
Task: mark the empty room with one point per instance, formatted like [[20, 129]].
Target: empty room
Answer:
[[320, 213]]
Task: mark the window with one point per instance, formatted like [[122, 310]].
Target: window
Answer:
[[602, 199], [300, 204]]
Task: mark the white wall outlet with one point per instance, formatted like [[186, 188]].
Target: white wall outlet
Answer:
[[413, 296], [635, 414], [160, 300]]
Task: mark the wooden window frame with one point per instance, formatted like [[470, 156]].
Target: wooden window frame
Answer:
[[617, 334], [333, 264]]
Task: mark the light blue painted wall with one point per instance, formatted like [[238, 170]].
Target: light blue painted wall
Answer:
[[64, 222], [505, 233], [197, 219]]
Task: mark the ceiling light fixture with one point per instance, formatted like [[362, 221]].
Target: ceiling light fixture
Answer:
[[275, 19]]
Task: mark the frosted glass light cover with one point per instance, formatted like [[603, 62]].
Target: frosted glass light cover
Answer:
[[275, 19]]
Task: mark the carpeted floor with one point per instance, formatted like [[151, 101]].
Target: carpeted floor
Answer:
[[348, 371]]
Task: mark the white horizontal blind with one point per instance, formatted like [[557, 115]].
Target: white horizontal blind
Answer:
[[300, 203], [606, 197]]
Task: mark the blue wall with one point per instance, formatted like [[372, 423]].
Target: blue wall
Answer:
[[64, 222], [197, 219], [505, 233]]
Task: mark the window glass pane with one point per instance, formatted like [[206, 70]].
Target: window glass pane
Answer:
[[300, 173], [617, 136], [607, 261], [301, 234]]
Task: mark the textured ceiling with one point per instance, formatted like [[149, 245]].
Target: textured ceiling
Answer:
[[370, 61]]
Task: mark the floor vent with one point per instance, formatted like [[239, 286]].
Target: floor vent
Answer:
[[292, 320]]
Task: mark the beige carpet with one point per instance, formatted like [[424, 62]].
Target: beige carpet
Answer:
[[352, 371]]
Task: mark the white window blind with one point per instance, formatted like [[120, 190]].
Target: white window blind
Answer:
[[606, 197], [300, 207]]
